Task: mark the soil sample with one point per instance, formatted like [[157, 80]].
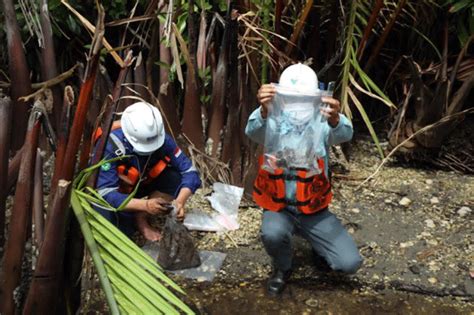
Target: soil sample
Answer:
[[177, 250]]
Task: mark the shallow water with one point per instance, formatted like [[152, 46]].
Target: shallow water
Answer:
[[308, 298]]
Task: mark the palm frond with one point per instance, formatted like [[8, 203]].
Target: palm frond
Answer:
[[361, 23], [132, 281]]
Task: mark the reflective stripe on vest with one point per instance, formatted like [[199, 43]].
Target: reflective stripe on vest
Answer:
[[313, 193]]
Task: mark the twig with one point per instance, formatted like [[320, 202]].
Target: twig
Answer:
[[424, 129], [231, 239], [41, 86], [92, 29]]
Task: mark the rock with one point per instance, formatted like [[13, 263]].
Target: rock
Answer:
[[312, 302], [434, 200], [407, 244], [355, 210], [387, 201], [415, 269], [404, 202], [429, 223], [463, 211], [432, 280], [429, 182]]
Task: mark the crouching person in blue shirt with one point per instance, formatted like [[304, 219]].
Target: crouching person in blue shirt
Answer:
[[294, 202], [152, 160]]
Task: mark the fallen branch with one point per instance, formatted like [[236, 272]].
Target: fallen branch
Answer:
[[42, 86], [424, 129], [421, 289]]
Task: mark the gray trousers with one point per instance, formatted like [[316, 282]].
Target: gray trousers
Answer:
[[323, 230]]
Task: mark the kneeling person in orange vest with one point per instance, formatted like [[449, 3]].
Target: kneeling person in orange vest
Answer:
[[295, 199], [152, 160]]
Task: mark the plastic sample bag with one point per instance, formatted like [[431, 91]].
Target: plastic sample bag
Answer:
[[199, 221], [211, 263], [294, 131], [177, 249], [225, 199]]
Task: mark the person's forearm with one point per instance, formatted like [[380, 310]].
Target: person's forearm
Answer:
[[136, 204], [256, 126], [183, 195]]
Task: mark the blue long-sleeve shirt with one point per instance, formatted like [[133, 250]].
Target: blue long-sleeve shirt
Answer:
[[256, 129], [108, 179]]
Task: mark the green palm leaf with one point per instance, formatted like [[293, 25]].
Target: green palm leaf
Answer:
[[132, 281], [352, 72]]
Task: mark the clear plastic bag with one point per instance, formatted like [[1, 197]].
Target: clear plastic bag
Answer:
[[225, 200], [200, 221], [293, 132]]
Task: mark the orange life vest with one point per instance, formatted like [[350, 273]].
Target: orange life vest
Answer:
[[313, 193], [128, 174]]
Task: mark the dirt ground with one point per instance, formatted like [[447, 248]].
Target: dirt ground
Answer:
[[413, 227]]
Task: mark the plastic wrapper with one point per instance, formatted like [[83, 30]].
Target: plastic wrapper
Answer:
[[294, 130]]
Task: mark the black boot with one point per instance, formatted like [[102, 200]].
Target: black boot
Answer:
[[276, 283], [320, 263]]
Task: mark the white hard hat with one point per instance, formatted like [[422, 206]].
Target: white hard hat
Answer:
[[299, 78], [142, 126]]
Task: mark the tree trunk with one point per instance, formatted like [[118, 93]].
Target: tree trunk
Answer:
[[219, 91], [5, 130], [231, 153], [192, 121], [19, 74], [18, 229], [38, 203], [48, 61], [48, 273]]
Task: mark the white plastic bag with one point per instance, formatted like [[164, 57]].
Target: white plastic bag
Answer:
[[225, 200], [200, 221]]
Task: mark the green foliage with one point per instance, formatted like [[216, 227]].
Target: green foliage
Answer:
[[463, 17], [357, 20], [132, 281], [206, 79]]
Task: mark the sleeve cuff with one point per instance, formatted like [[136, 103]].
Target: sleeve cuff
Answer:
[[339, 123]]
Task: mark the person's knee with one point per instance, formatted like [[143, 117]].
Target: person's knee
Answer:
[[348, 264], [275, 236]]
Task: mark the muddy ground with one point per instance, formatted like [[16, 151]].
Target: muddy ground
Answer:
[[413, 227]]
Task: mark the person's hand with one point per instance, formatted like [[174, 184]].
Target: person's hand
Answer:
[[179, 211], [157, 206], [331, 111], [265, 95]]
